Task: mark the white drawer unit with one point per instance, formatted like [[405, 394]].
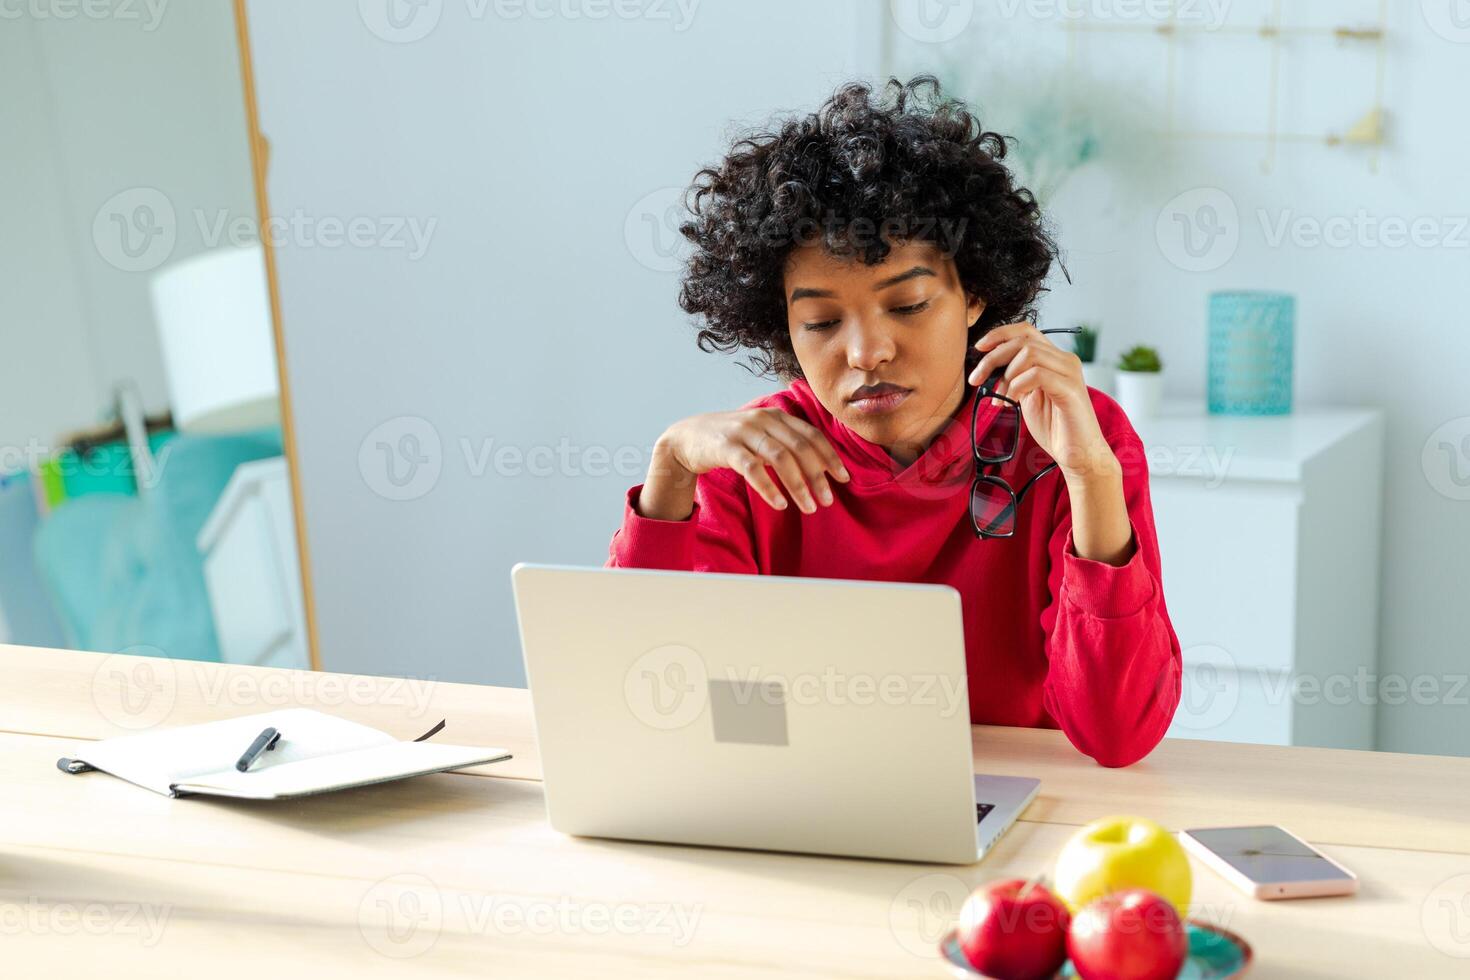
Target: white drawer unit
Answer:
[[1269, 534], [251, 569]]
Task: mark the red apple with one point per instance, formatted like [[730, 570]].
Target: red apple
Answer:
[[1014, 930], [1128, 935]]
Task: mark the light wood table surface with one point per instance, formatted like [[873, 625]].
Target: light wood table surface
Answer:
[[457, 875]]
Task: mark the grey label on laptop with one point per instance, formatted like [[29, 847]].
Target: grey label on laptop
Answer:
[[752, 712]]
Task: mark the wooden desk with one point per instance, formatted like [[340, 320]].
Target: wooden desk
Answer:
[[458, 874]]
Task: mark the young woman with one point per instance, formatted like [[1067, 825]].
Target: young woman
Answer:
[[877, 256]]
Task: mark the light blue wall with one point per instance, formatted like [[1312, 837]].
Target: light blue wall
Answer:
[[529, 318]]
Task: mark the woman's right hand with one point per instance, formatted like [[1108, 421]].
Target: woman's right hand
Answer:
[[746, 441]]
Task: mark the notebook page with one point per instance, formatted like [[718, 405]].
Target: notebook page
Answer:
[[157, 760], [356, 768]]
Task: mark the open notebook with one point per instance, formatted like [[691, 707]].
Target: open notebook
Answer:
[[316, 753]]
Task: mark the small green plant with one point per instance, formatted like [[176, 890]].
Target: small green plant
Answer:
[[1140, 358], [1084, 343]]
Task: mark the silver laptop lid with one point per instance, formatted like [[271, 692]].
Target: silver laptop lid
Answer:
[[795, 714]]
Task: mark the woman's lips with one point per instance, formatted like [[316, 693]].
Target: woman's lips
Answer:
[[885, 402]]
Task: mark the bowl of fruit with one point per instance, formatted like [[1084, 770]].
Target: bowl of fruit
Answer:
[[1116, 911]]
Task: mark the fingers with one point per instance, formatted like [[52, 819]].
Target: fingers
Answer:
[[1026, 382], [769, 448], [1049, 377], [1036, 354], [832, 463], [999, 345], [775, 451], [998, 354], [753, 468], [802, 481], [1004, 332], [800, 455], [1020, 352]]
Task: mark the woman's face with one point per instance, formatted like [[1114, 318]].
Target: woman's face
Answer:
[[882, 346]]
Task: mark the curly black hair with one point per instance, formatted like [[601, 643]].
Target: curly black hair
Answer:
[[859, 174]]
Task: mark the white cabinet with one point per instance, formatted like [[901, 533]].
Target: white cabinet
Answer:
[[251, 569], [1269, 535]]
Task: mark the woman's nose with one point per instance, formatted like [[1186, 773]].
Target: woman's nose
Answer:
[[869, 345]]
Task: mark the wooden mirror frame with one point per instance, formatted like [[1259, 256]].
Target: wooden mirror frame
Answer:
[[259, 161]]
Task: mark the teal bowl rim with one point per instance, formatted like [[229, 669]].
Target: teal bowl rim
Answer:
[[1248, 954]]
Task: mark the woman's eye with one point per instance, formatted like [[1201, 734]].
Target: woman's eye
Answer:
[[912, 308], [825, 324]]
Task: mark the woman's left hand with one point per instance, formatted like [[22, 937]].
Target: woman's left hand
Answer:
[[1047, 383]]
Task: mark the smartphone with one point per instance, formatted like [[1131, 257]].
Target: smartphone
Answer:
[[1268, 862]]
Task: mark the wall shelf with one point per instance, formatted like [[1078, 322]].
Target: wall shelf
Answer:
[[1366, 130]]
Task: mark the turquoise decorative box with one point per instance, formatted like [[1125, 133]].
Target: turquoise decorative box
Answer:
[[1252, 336]]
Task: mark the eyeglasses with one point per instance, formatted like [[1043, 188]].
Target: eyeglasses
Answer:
[[993, 504]]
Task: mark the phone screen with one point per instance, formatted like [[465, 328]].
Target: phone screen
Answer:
[[1268, 854]]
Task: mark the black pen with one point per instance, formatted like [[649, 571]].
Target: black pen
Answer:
[[265, 740]]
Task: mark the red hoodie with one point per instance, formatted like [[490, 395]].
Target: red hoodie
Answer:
[[1052, 640]]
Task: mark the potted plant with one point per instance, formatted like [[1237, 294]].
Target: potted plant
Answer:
[[1084, 345], [1140, 382]]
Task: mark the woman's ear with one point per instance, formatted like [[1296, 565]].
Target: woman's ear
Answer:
[[974, 306]]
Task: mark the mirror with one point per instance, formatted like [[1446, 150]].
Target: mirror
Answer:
[[145, 494]]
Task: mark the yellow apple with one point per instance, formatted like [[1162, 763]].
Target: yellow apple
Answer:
[[1116, 853]]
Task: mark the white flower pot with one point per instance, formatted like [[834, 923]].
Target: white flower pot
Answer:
[[1098, 376], [1139, 392]]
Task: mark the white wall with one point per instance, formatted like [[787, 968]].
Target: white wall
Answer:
[[1376, 325], [528, 320], [140, 100], [43, 331]]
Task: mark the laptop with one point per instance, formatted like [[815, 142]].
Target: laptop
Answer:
[[774, 713]]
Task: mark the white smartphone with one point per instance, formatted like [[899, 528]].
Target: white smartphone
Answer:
[[1268, 862]]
